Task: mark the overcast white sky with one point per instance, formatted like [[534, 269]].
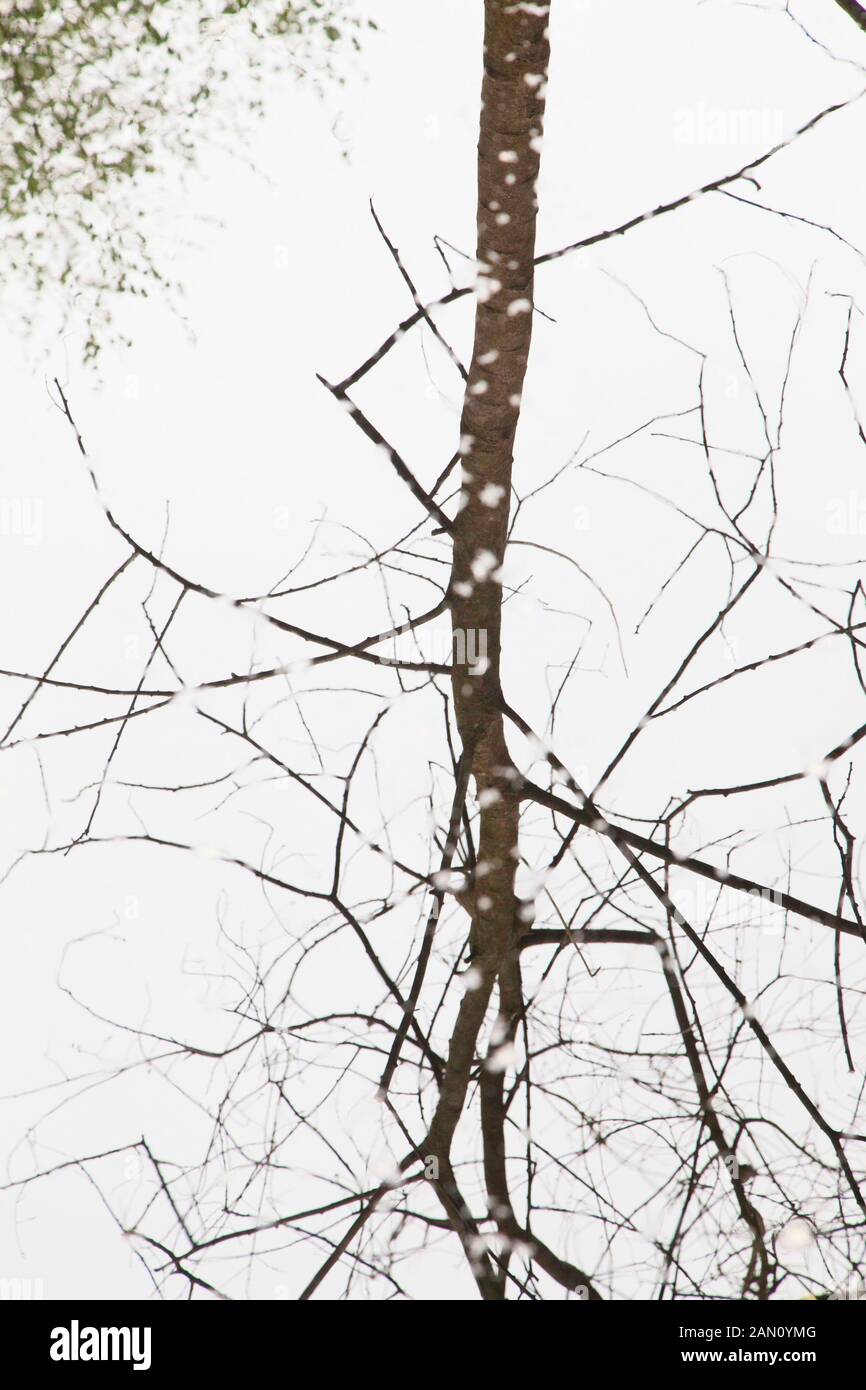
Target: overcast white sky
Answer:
[[221, 415]]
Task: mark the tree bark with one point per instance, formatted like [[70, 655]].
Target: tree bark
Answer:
[[516, 53], [855, 10]]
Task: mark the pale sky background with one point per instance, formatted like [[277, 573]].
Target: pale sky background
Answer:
[[221, 414]]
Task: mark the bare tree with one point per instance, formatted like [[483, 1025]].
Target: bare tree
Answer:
[[606, 1030]]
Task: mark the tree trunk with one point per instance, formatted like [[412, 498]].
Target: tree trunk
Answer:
[[516, 52]]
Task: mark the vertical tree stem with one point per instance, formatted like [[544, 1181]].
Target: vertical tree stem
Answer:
[[516, 54]]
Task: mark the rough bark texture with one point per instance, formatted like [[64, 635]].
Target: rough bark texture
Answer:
[[515, 48], [516, 53]]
